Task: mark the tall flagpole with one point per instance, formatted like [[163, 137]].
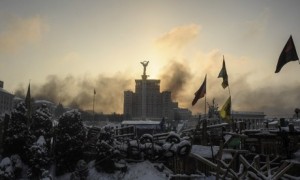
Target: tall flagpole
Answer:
[[205, 96], [231, 111], [205, 106], [94, 105]]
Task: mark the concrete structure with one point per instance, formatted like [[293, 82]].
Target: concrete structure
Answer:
[[145, 127], [147, 102], [247, 119], [6, 100]]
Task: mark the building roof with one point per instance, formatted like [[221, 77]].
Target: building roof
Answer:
[[16, 98], [248, 113], [4, 91], [147, 122], [43, 102]]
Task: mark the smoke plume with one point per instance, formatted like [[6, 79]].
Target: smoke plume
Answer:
[[175, 77], [79, 92]]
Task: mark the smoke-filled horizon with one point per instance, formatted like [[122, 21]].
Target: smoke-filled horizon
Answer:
[[67, 58], [176, 77], [78, 92]]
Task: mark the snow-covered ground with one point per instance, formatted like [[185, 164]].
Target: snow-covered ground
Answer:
[[135, 171]]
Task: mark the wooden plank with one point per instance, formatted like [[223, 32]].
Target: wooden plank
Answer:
[[208, 162], [281, 173]]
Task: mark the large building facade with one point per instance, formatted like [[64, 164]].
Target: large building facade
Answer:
[[6, 100], [147, 102], [251, 120]]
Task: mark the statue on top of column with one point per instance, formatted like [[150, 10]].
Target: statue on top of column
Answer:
[[145, 64]]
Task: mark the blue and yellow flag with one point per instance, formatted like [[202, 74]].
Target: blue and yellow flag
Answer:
[[225, 112]]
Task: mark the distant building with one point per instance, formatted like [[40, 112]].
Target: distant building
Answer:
[[145, 127], [251, 120], [16, 101], [182, 114], [147, 102], [6, 100], [246, 119], [50, 105]]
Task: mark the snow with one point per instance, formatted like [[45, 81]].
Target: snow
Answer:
[[41, 141], [296, 157], [227, 137], [204, 151], [147, 136], [149, 122], [6, 168], [4, 91], [172, 133], [43, 102], [135, 171], [265, 133], [16, 160], [71, 113], [144, 170], [180, 127], [273, 123], [5, 162]]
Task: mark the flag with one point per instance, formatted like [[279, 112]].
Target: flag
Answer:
[[200, 93], [94, 91], [288, 54], [223, 74], [225, 112]]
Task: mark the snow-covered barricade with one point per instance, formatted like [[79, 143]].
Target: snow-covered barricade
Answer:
[[149, 146], [10, 168], [110, 151]]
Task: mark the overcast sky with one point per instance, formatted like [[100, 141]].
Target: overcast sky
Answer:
[[68, 48]]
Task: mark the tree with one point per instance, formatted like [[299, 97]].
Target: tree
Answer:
[[69, 139], [17, 137], [59, 110], [42, 124], [39, 159]]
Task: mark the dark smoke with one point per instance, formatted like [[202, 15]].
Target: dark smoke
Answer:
[[273, 100], [79, 92], [20, 92], [175, 77]]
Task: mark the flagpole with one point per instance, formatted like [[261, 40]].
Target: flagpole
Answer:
[[205, 106], [231, 111], [205, 95], [94, 106]]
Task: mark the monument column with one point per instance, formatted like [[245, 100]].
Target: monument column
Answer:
[[144, 90]]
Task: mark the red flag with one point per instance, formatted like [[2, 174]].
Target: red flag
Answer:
[[200, 93], [288, 54]]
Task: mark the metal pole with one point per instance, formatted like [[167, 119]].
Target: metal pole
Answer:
[[94, 107]]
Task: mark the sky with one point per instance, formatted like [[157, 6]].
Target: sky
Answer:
[[66, 49]]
